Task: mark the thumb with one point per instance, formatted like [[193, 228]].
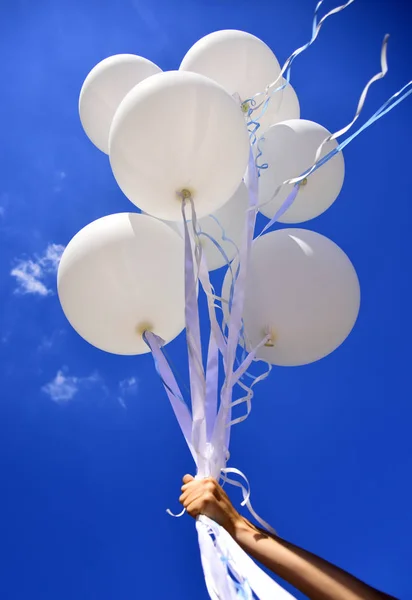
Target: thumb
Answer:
[[188, 478]]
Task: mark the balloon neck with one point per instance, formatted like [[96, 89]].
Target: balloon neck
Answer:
[[303, 182], [245, 107], [271, 338], [184, 194], [142, 327]]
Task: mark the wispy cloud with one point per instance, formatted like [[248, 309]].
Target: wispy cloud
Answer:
[[4, 202], [32, 274], [50, 342], [65, 387], [127, 387], [62, 388], [60, 176]]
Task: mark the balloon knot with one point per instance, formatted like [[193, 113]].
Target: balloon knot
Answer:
[[272, 338], [143, 326], [184, 194]]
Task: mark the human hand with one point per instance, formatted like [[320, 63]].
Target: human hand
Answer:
[[207, 497]]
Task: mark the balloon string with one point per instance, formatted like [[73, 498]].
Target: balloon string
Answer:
[[228, 261], [205, 279], [192, 314], [181, 411], [178, 515], [262, 166], [251, 357], [175, 394], [316, 27], [201, 393], [361, 103], [211, 297], [317, 162], [247, 399], [175, 370], [246, 495], [225, 238], [386, 107]]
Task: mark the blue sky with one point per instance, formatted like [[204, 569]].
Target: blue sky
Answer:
[[90, 455]]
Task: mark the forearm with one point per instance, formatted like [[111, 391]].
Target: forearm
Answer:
[[315, 577]]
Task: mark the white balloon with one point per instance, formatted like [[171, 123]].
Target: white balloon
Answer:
[[225, 226], [104, 88], [239, 61], [289, 149], [282, 106], [120, 275], [178, 131], [302, 289]]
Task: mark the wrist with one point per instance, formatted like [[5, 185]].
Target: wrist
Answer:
[[240, 526]]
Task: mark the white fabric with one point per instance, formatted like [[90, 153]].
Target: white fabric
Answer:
[[222, 559], [263, 586]]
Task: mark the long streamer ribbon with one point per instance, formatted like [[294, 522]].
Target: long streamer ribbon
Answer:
[[262, 585], [196, 372], [362, 99], [168, 380], [219, 585], [229, 572], [246, 495], [316, 27], [389, 105], [212, 382], [247, 399], [221, 435]]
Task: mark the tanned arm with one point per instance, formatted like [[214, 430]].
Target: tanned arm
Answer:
[[315, 577]]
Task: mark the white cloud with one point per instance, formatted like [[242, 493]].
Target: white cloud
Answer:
[[59, 176], [64, 386], [32, 274], [28, 275], [4, 202], [51, 341], [127, 387], [52, 256]]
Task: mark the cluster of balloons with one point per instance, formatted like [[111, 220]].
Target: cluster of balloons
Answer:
[[185, 132]]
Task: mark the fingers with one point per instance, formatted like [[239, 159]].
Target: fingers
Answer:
[[190, 496], [199, 493], [206, 497], [208, 483], [200, 505], [194, 509], [191, 491]]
